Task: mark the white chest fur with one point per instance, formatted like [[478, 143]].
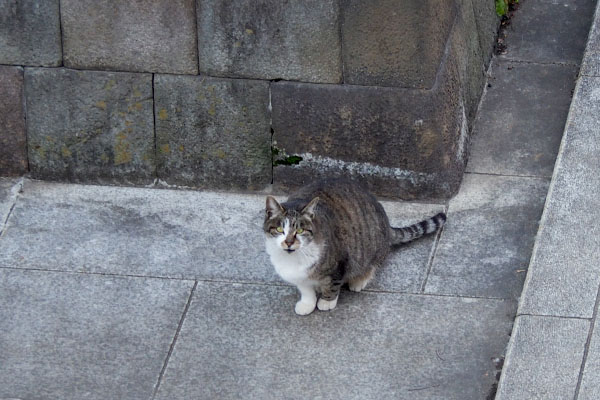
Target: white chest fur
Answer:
[[293, 267]]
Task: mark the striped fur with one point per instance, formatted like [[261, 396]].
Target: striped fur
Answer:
[[415, 231], [330, 233]]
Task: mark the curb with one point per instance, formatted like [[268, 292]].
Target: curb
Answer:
[[551, 337]]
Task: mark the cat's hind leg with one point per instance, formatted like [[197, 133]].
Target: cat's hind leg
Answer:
[[358, 284], [329, 295]]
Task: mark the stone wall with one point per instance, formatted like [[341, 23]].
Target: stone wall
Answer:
[[213, 93]]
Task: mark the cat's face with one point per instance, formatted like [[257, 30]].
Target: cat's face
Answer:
[[289, 230]]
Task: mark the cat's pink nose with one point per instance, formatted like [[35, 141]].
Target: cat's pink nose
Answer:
[[289, 242]]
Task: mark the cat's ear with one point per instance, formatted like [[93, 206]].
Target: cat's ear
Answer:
[[273, 207], [309, 210]]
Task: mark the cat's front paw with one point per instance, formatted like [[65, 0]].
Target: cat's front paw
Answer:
[[326, 305], [303, 308]]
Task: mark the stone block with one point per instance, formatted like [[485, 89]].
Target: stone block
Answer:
[[488, 23], [486, 244], [402, 142], [544, 358], [516, 133], [30, 32], [213, 132], [252, 345], [466, 50], [79, 336], [530, 28], [86, 126], [13, 139], [270, 39], [565, 267], [391, 43], [406, 143], [147, 36]]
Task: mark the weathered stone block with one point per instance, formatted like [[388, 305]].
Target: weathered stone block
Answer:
[[90, 126], [153, 36], [487, 26], [391, 43], [406, 143], [13, 141], [402, 142], [30, 32], [465, 48], [270, 39], [212, 132]]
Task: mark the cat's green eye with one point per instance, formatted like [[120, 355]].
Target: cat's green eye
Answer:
[[279, 229], [299, 231]]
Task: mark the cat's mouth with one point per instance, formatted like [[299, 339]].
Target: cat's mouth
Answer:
[[289, 250]]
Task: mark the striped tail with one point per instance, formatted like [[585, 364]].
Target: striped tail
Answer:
[[415, 231]]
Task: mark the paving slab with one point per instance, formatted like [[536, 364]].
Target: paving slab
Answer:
[[487, 241], [166, 233], [550, 31], [8, 192], [590, 381], [406, 267], [76, 336], [565, 267], [544, 359], [244, 341], [137, 231], [521, 119]]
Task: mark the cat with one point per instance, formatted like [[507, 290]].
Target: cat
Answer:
[[329, 233]]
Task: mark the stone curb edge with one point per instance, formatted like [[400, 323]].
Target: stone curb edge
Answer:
[[516, 341]]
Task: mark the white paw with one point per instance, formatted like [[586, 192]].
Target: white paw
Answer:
[[326, 305], [304, 308], [357, 286]]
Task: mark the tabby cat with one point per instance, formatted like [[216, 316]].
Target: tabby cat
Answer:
[[330, 233]]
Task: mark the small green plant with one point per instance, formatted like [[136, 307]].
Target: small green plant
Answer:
[[281, 158], [503, 5]]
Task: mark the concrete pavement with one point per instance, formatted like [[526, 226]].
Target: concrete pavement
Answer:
[[140, 293], [554, 351], [118, 292]]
